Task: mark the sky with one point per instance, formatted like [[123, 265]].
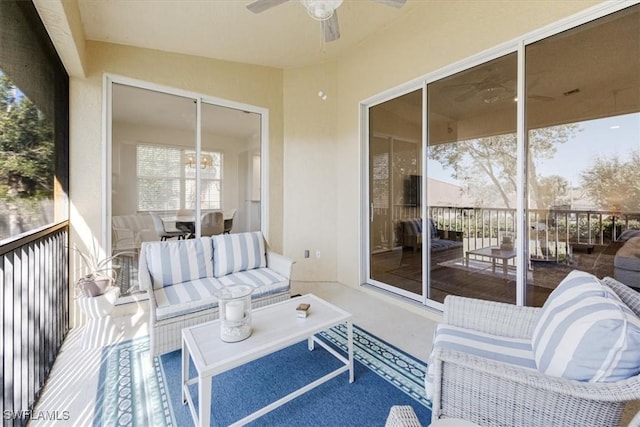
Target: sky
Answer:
[[608, 137]]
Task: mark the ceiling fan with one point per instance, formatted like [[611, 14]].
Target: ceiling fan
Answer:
[[492, 89], [320, 10]]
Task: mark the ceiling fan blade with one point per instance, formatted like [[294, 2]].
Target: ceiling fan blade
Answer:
[[262, 5], [330, 28], [541, 97], [393, 3]]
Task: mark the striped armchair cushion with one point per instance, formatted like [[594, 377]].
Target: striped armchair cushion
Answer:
[[513, 351], [179, 261], [238, 252], [585, 332]]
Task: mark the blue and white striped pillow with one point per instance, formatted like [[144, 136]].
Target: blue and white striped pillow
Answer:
[[585, 332], [238, 252], [179, 261]]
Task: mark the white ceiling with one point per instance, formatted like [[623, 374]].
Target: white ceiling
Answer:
[[283, 37]]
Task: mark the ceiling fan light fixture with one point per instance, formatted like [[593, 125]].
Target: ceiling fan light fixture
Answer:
[[492, 94], [321, 10]]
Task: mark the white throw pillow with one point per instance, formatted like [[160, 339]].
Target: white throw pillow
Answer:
[[238, 252], [585, 332]]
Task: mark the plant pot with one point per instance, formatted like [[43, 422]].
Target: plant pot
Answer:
[[93, 287]]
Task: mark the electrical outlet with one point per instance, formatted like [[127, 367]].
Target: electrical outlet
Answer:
[[318, 254], [306, 253]]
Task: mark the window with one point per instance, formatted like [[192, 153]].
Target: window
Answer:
[[33, 125], [166, 178]]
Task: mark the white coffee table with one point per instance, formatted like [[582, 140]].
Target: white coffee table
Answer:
[[275, 327]]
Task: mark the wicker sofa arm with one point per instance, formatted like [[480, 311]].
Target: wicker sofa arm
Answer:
[[144, 282], [491, 317], [279, 263]]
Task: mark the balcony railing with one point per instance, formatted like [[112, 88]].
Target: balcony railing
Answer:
[[35, 316], [552, 233]]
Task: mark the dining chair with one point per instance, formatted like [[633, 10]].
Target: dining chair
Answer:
[[212, 223], [228, 222], [185, 222], [158, 224]]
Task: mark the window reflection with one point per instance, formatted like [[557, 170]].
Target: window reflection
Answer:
[[472, 184], [583, 146]]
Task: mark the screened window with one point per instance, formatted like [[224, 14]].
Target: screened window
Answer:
[[33, 125]]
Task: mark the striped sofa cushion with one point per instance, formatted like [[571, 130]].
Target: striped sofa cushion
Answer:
[[200, 294], [585, 332], [178, 261], [513, 351], [238, 252], [186, 297], [264, 280]]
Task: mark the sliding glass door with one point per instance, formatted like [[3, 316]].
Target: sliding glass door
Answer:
[[181, 167], [471, 182], [504, 212], [395, 214], [583, 151]]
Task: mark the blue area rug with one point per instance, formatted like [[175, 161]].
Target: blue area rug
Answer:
[[137, 392]]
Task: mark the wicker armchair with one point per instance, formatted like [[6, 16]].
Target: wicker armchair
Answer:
[[490, 393]]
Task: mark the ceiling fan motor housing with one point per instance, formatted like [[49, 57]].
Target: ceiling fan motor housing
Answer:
[[321, 10]]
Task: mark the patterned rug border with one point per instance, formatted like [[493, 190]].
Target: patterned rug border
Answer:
[[394, 365], [119, 400]]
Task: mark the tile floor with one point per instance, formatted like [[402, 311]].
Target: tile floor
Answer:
[[71, 388]]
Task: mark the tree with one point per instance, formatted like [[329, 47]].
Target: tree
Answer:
[[487, 166], [26, 162], [614, 184], [26, 146]]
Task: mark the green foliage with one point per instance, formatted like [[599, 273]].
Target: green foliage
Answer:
[[487, 165], [26, 146], [614, 183]]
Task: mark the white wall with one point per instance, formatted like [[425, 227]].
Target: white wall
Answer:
[[315, 169]]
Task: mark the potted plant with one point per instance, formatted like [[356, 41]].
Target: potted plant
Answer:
[[100, 273]]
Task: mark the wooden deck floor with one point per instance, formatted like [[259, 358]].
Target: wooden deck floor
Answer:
[[403, 269]]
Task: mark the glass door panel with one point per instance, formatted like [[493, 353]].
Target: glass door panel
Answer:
[[471, 182], [395, 173], [583, 131], [153, 137], [231, 138]]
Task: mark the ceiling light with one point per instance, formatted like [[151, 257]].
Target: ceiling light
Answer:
[[492, 94], [206, 160], [321, 10]]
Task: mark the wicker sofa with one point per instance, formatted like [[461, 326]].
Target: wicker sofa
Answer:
[[182, 278], [492, 392]]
